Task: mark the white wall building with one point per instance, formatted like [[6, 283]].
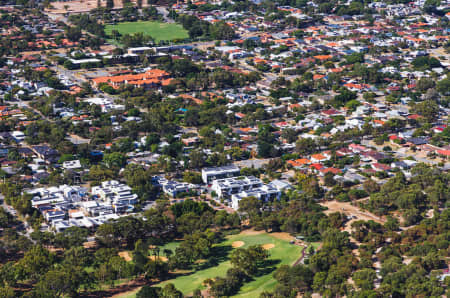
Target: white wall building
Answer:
[[210, 174], [117, 194], [264, 193], [241, 187], [72, 164], [56, 194], [173, 188], [229, 186]]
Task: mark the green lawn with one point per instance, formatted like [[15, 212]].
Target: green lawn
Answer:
[[283, 252], [159, 31], [315, 245], [171, 245]]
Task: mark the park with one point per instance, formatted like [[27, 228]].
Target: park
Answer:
[[157, 30], [279, 246]]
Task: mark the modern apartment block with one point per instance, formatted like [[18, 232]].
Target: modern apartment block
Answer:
[[117, 194], [210, 174], [229, 186]]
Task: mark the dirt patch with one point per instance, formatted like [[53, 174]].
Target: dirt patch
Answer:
[[164, 259], [55, 249], [122, 290], [90, 244], [237, 244], [200, 261], [349, 209], [268, 246], [127, 293], [407, 260], [125, 255], [282, 236], [181, 271], [250, 232], [356, 253], [80, 6]]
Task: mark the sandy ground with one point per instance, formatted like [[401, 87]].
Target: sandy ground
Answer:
[[77, 139], [83, 6], [237, 244], [439, 52], [106, 48], [348, 209], [268, 246], [283, 236], [407, 260], [125, 255], [377, 265], [250, 232], [90, 244], [164, 259], [279, 235], [39, 52], [123, 290], [55, 249], [350, 281]]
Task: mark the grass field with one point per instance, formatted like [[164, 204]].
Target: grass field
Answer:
[[159, 31], [281, 253]]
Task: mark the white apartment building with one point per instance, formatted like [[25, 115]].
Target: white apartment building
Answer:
[[241, 187], [84, 222], [225, 188], [173, 188], [210, 174], [56, 195], [117, 194], [264, 193]]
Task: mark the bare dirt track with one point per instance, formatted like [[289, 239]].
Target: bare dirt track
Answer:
[[280, 235], [81, 6], [125, 255], [119, 291], [251, 232], [351, 210], [283, 236]]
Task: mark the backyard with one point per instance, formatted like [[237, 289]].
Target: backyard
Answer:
[[157, 30]]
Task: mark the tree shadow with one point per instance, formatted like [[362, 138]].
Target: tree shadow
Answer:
[[267, 267], [219, 254], [174, 275], [163, 242]]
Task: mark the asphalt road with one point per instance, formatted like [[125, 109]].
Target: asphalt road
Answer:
[[165, 13]]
